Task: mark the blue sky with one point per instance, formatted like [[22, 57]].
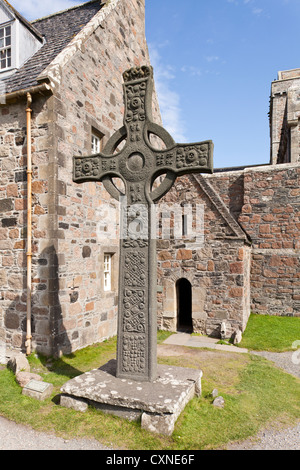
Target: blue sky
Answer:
[[214, 61]]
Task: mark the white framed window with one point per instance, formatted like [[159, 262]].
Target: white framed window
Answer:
[[107, 272], [5, 47], [96, 141], [95, 144]]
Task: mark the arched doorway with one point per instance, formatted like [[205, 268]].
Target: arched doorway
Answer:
[[184, 305]]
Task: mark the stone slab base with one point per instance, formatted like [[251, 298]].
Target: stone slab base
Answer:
[[37, 389], [158, 404]]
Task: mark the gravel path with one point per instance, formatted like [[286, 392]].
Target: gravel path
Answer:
[[289, 361], [273, 439], [17, 437]]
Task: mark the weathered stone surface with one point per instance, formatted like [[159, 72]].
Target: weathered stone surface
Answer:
[[219, 268], [160, 424], [12, 320], [138, 164], [77, 404], [38, 390], [161, 401], [237, 338], [62, 124], [129, 414], [265, 201], [24, 377], [219, 402], [6, 205], [223, 330], [18, 363]]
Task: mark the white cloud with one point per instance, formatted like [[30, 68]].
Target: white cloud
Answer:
[[169, 100], [34, 9], [192, 70], [212, 58], [256, 11]]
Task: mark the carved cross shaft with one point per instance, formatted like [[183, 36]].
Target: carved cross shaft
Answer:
[[138, 164]]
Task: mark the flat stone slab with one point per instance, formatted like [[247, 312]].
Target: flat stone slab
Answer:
[[37, 389], [158, 403]]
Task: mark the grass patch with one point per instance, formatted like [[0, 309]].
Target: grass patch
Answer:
[[269, 333], [255, 393], [162, 335]]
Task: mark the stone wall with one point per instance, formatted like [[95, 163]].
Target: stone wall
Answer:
[[13, 210], [90, 96], [218, 269], [229, 277], [254, 265], [269, 213], [69, 306], [271, 216]]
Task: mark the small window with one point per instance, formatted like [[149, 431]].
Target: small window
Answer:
[[96, 141], [5, 47], [107, 272], [184, 225]]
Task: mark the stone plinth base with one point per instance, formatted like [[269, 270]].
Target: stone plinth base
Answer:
[[37, 389], [157, 403]]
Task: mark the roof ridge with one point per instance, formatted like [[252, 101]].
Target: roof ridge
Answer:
[[67, 9], [52, 71], [46, 63]]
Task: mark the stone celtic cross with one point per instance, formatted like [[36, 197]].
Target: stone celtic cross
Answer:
[[138, 164]]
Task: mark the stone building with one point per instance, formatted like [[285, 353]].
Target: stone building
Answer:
[[61, 95], [70, 85], [205, 282], [250, 260]]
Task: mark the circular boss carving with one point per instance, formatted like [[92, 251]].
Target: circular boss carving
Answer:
[[128, 167], [135, 162]]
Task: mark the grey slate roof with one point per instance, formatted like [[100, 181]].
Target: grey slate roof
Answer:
[[58, 30]]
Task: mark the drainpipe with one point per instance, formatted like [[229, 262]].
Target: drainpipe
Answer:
[[29, 205], [4, 98]]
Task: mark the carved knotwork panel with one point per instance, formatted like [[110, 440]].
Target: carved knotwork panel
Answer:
[[135, 269], [134, 354], [134, 310]]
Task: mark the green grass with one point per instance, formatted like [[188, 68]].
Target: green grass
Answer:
[[256, 394], [162, 335], [261, 395], [269, 333]]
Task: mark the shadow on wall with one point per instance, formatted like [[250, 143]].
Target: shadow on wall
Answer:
[[236, 197], [49, 335]]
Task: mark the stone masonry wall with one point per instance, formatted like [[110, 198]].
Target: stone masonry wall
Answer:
[[90, 96], [69, 306], [218, 270], [13, 212], [270, 215]]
